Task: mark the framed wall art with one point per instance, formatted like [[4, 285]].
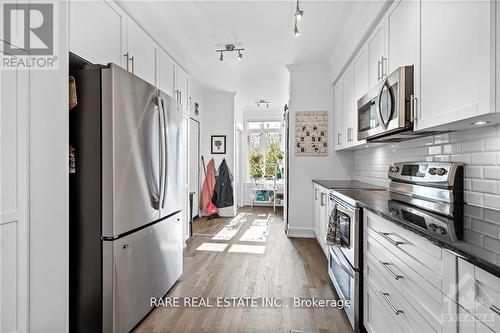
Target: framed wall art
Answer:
[[311, 133], [218, 144]]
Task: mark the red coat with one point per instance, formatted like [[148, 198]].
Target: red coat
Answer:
[[208, 190]]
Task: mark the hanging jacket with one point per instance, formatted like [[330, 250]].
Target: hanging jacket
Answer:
[[208, 189], [223, 191]]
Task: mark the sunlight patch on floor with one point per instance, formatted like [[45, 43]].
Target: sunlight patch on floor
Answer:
[[251, 249], [214, 247], [231, 228]]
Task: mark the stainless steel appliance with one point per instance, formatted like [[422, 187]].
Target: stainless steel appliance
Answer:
[[386, 112], [429, 195], [125, 226], [344, 261]]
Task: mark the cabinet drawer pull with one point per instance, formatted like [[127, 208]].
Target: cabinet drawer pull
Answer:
[[495, 309], [385, 296], [378, 70], [384, 59], [126, 55], [315, 194], [338, 138], [394, 275], [389, 239], [322, 201]]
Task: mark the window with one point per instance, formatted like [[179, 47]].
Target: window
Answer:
[[265, 149]]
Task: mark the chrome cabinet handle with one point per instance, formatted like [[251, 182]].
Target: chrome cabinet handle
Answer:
[[338, 138], [384, 59], [133, 63], [385, 296], [378, 70], [389, 239], [126, 55], [315, 194], [394, 275], [322, 201], [413, 108], [495, 309]]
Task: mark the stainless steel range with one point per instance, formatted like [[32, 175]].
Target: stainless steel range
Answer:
[[429, 195]]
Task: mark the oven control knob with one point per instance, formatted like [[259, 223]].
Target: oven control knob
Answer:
[[393, 212], [440, 230], [432, 171], [441, 171], [432, 227], [394, 169]]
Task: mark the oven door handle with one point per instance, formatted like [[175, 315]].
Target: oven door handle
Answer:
[[348, 270], [344, 210]]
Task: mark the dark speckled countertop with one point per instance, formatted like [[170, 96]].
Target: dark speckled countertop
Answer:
[[479, 244], [346, 184]]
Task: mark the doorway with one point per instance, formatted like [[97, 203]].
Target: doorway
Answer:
[[194, 165]]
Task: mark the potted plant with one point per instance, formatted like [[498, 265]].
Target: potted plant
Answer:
[[255, 165]]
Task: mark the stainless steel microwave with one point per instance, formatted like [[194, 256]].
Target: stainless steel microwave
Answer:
[[387, 110]]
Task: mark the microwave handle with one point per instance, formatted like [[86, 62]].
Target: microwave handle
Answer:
[[379, 102]]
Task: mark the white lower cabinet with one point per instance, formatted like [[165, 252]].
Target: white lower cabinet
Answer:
[[320, 215], [415, 286]]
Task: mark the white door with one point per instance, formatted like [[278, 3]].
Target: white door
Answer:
[[378, 58], [14, 109], [97, 32], [194, 164], [457, 61], [166, 76], [142, 53]]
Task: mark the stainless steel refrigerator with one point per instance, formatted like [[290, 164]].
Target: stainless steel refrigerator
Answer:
[[125, 199]]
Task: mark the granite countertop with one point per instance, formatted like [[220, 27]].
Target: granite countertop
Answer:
[[346, 184], [479, 243]]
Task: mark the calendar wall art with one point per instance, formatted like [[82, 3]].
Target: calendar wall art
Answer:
[[311, 133]]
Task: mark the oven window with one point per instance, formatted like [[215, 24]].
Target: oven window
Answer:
[[342, 278], [345, 229], [368, 117]]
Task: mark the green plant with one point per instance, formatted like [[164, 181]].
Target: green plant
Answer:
[[255, 163], [272, 154]]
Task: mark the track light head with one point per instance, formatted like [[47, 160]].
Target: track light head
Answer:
[[296, 31], [298, 14], [221, 58], [240, 56]]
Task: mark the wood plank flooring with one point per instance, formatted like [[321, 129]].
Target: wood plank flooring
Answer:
[[288, 268]]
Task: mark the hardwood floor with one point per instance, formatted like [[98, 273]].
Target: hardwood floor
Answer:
[[287, 268]]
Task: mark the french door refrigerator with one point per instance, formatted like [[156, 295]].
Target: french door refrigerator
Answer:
[[125, 199]]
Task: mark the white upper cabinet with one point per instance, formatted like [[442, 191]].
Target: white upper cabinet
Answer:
[[182, 88], [348, 108], [165, 75], [457, 59], [338, 92], [378, 54], [141, 53], [97, 32], [403, 37]]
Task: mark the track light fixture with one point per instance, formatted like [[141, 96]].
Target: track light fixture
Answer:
[[298, 16], [262, 102], [230, 48]]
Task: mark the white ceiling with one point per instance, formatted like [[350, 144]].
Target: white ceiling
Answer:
[[192, 31]]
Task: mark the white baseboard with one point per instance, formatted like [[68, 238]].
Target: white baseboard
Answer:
[[301, 233]]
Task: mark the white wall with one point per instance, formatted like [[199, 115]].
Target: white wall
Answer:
[[311, 90], [218, 119]]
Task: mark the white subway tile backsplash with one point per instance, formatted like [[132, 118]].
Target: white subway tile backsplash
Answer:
[[492, 172], [484, 186], [478, 149], [486, 158]]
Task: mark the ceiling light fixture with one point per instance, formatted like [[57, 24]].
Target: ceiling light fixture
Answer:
[[298, 12], [262, 102], [230, 48], [298, 16]]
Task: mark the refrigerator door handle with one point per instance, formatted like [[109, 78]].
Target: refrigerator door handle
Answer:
[[162, 151], [164, 156]]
